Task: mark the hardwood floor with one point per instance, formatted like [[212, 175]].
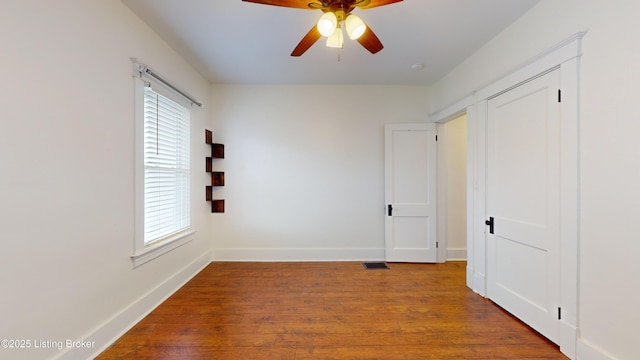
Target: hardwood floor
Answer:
[[329, 311]]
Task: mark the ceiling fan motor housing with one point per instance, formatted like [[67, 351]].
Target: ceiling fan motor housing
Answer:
[[341, 7]]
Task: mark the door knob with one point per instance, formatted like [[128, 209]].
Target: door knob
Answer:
[[490, 224]]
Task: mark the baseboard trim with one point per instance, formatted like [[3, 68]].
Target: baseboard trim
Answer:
[[292, 255], [456, 254], [112, 329], [469, 277], [479, 284], [589, 351], [568, 339]]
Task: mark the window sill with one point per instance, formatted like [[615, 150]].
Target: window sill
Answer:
[[154, 251]]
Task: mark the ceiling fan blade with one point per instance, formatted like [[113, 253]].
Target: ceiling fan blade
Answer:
[[368, 4], [296, 4], [312, 36], [370, 41]]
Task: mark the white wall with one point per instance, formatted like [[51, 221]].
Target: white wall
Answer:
[[66, 189], [609, 164], [66, 184], [305, 169], [452, 187]]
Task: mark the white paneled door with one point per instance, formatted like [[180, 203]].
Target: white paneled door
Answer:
[[410, 192], [523, 202]]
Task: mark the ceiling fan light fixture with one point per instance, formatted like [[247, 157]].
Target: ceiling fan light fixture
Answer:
[[327, 24], [355, 26], [336, 40]]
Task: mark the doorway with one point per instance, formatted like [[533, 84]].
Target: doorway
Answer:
[[426, 189], [452, 189], [561, 61]]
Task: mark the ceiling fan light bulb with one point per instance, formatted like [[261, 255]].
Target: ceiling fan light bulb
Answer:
[[327, 24], [355, 27], [336, 40]]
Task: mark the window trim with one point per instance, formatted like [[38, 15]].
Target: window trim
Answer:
[[143, 253], [159, 248]]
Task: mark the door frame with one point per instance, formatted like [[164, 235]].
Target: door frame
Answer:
[[564, 56], [444, 252]]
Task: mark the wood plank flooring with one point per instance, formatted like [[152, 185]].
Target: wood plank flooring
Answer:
[[329, 311]]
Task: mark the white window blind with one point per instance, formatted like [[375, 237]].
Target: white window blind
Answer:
[[166, 167]]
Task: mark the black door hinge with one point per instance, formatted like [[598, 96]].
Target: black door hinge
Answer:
[[559, 95], [436, 244], [389, 210], [559, 313], [436, 137], [490, 224]]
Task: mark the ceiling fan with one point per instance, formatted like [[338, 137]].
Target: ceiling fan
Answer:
[[335, 12]]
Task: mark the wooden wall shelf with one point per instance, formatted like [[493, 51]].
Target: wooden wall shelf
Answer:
[[208, 136], [217, 150], [217, 206], [217, 177]]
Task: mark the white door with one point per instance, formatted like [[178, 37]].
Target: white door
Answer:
[[410, 189], [523, 203]]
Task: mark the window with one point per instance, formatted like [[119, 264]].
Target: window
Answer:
[[162, 168], [166, 167]]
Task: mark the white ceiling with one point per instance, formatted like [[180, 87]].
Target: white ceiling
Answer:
[[231, 41]]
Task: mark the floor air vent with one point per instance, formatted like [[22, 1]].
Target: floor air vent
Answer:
[[375, 265]]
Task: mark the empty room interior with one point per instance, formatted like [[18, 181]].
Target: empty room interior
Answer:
[[484, 153]]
